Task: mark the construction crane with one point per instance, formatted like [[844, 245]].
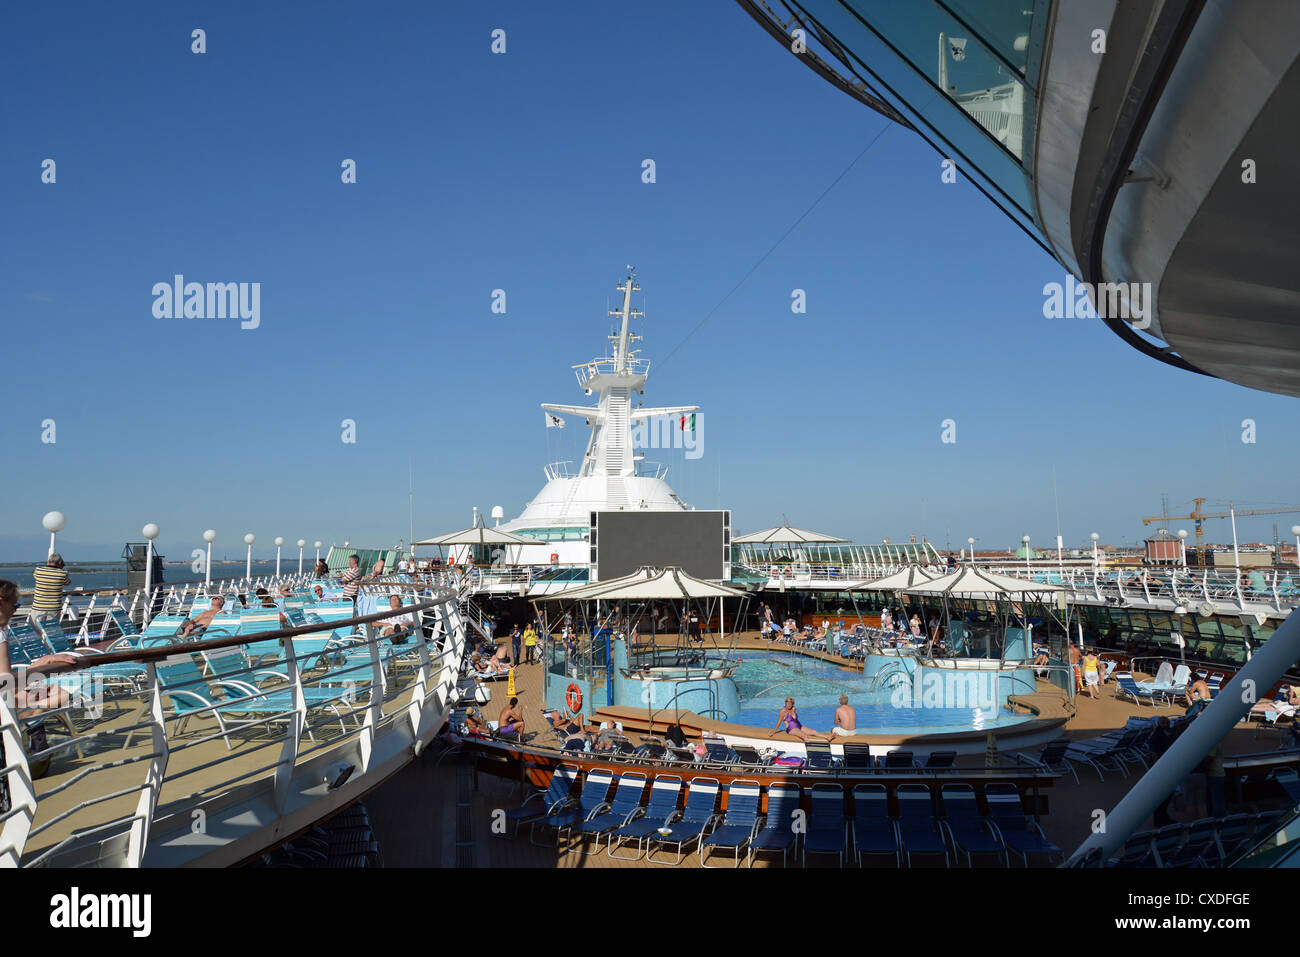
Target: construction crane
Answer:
[[1198, 516]]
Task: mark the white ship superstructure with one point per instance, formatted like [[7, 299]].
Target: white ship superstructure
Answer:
[[612, 475]]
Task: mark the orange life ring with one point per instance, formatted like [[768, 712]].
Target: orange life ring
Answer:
[[555, 558], [573, 698]]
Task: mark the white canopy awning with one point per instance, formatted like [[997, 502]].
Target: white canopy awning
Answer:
[[647, 584], [784, 535], [972, 582], [900, 580], [478, 535]]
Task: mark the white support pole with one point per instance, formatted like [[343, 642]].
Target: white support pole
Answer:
[[1270, 663], [207, 577]]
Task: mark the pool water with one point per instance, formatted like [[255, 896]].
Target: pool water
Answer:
[[765, 679]]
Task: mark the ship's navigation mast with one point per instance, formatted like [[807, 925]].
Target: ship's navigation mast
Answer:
[[614, 379]]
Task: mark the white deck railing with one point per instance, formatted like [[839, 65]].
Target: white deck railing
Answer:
[[254, 753]]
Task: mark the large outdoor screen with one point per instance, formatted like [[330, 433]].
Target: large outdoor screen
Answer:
[[699, 543]]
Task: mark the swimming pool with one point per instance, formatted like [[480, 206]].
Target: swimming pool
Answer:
[[765, 679]]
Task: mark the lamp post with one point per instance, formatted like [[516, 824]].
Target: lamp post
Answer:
[[1179, 611], [54, 523], [971, 543], [209, 536], [279, 540], [302, 542], [248, 564], [1182, 545], [150, 532], [318, 553], [1094, 536], [1025, 541]]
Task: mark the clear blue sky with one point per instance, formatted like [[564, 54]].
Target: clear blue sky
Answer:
[[523, 172]]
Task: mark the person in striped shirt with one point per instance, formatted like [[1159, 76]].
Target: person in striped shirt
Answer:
[[51, 579], [351, 579]]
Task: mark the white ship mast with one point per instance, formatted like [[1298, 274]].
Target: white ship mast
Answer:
[[614, 378]]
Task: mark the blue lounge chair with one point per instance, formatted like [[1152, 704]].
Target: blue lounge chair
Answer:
[[940, 761], [899, 761], [777, 832], [873, 831], [1233, 835], [691, 823], [126, 675], [818, 756], [825, 834], [541, 803], [1135, 852], [592, 800], [627, 800], [1197, 849], [918, 831], [664, 794], [1018, 832], [1128, 688], [967, 828], [740, 824], [718, 754], [231, 664], [857, 758]]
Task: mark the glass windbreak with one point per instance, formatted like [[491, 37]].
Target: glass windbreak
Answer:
[[956, 61], [970, 95], [1004, 25]]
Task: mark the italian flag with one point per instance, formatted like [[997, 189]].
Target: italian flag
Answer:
[[688, 422]]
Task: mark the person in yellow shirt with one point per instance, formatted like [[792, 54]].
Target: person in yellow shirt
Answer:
[[530, 643], [1092, 672]]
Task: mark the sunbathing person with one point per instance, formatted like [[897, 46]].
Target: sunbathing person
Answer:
[[608, 737], [193, 627], [474, 723], [790, 719], [36, 696], [487, 668], [399, 627], [1288, 699], [511, 721]]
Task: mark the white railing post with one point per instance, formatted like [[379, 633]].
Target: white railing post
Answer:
[[375, 707], [138, 840], [293, 729], [22, 794]]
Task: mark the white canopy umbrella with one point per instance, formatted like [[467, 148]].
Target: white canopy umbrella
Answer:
[[900, 580], [973, 582], [647, 584], [785, 535], [478, 535]]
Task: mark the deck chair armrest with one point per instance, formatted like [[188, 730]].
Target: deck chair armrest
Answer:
[[245, 690], [598, 810], [193, 695], [269, 675]]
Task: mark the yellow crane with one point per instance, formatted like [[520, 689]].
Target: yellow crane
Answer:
[[1198, 515]]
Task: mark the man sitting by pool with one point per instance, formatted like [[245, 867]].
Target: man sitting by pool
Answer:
[[790, 719], [511, 721], [846, 719]]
